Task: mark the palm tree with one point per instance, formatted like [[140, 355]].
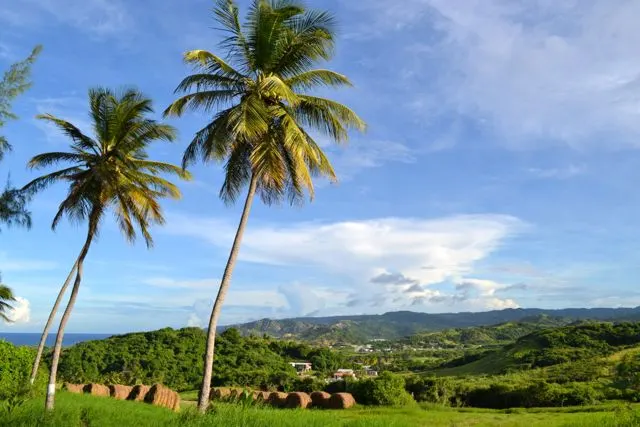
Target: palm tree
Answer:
[[6, 297], [109, 171], [47, 326], [261, 111]]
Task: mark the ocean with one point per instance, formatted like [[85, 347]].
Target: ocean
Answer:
[[32, 339]]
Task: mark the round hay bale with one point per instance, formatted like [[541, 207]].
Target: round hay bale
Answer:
[[277, 399], [341, 401], [73, 388], [297, 400], [221, 393], [320, 399], [138, 392], [119, 392], [159, 395], [96, 390], [261, 396]]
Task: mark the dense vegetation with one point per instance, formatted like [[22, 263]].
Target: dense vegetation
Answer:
[[556, 346], [15, 364], [583, 364], [396, 325], [580, 364], [174, 357]]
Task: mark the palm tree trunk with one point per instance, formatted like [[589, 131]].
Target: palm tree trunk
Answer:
[[203, 399], [45, 332], [51, 388]]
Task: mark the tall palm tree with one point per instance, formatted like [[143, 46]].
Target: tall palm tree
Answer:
[[6, 297], [261, 110], [47, 326], [110, 171]]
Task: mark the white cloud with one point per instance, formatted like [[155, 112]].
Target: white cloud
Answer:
[[430, 250], [378, 260], [564, 72], [97, 17], [366, 154], [485, 288], [558, 173], [194, 321], [20, 312]]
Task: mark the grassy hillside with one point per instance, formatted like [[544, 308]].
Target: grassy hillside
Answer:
[[396, 325], [82, 410], [551, 347], [481, 336]]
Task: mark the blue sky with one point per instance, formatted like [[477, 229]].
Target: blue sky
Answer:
[[499, 168]]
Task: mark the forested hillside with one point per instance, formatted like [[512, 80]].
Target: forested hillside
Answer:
[[522, 364], [174, 357], [399, 324]]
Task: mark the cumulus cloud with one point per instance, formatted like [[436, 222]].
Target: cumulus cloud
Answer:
[[564, 72], [194, 321], [427, 250], [393, 279], [20, 313], [386, 262]]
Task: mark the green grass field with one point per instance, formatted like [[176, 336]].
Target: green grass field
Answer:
[[83, 410]]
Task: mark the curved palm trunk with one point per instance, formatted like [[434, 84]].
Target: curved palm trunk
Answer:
[[203, 399], [51, 388], [47, 326]]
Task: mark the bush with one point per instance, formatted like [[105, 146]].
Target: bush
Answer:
[[538, 394], [441, 391], [15, 368], [306, 384], [387, 389]]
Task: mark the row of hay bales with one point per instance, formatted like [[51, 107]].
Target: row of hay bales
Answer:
[[317, 399], [157, 394]]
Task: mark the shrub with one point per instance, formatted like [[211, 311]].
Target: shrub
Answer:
[[432, 389], [306, 384], [15, 368], [386, 389]]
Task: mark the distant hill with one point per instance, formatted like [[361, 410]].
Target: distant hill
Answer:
[[549, 348], [484, 336], [395, 325]]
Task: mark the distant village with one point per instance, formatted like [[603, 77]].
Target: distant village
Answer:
[[305, 368]]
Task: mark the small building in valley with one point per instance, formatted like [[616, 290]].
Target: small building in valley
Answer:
[[301, 367], [343, 373]]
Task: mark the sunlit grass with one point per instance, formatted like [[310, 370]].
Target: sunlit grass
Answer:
[[83, 410]]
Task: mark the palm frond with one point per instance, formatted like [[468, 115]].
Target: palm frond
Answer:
[[328, 116], [52, 158], [42, 182], [237, 175], [205, 100], [313, 78], [227, 15], [213, 142], [207, 81], [274, 87], [310, 38], [212, 64], [6, 296], [81, 141]]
